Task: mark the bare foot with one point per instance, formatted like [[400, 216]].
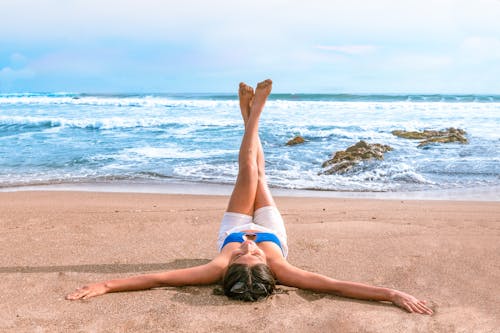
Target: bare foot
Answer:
[[246, 94], [261, 93]]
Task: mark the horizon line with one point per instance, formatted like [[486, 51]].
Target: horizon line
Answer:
[[272, 93]]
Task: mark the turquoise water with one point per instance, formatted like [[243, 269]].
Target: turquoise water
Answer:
[[68, 138]]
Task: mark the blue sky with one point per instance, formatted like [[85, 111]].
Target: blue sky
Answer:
[[385, 46]]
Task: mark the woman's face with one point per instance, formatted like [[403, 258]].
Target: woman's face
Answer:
[[248, 253]]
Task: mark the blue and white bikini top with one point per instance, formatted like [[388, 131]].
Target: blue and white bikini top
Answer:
[[239, 237]]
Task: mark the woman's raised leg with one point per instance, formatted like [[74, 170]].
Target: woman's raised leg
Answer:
[[245, 190], [268, 217], [263, 195]]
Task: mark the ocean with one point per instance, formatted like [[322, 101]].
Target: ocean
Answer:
[[68, 138]]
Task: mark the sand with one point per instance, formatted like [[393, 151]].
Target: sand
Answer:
[[447, 252]]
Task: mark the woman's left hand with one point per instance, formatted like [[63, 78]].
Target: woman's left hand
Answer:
[[88, 291], [410, 303]]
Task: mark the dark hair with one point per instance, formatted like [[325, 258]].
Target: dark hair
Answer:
[[248, 276]]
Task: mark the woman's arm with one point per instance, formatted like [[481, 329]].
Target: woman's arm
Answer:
[[205, 274], [292, 276]]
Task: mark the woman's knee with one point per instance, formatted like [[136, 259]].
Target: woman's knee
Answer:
[[249, 168]]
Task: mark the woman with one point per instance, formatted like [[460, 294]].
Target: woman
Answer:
[[252, 239]]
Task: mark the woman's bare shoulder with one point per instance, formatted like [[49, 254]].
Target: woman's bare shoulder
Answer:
[[276, 261]]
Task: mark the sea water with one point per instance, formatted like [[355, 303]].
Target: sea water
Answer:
[[161, 138]]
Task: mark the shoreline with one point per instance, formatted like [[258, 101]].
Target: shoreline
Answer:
[[486, 194]]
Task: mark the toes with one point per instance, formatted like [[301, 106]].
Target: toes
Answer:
[[245, 89], [265, 83], [242, 87]]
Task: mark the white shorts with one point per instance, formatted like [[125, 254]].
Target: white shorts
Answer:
[[265, 219]]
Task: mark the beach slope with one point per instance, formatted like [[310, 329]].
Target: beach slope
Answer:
[[446, 252]]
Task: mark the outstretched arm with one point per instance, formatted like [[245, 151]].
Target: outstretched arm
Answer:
[[205, 274], [295, 277]]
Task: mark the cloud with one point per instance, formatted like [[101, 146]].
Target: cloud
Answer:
[[349, 49], [157, 44], [419, 61], [9, 74], [167, 20], [17, 69], [478, 49], [18, 59]]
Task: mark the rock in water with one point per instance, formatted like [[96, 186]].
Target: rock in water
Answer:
[[444, 136], [345, 160], [295, 141]]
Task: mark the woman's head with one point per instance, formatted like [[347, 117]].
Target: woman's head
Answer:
[[248, 283]]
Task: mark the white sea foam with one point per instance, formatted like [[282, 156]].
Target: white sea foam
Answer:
[[66, 137], [174, 152], [147, 102], [111, 122]]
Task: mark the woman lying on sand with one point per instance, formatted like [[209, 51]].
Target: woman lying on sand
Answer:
[[252, 239]]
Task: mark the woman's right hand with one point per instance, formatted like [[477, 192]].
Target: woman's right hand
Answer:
[[409, 303], [89, 291]]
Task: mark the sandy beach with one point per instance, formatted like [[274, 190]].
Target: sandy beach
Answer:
[[447, 252]]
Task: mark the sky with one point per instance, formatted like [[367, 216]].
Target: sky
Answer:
[[330, 46]]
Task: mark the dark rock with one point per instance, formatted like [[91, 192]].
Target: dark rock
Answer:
[[444, 136], [444, 139], [345, 160], [295, 141]]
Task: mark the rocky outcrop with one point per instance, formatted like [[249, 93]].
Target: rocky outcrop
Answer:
[[295, 141], [444, 136], [345, 160]]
